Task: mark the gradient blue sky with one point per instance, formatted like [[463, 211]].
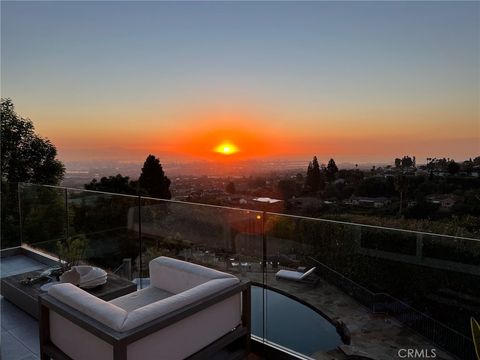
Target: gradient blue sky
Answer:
[[357, 81]]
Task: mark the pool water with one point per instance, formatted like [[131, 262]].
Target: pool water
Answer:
[[291, 324]]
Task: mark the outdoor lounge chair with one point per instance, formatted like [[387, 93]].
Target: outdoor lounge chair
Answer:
[[295, 275], [188, 312]]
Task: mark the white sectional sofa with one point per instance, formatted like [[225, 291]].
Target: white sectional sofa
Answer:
[[188, 311]]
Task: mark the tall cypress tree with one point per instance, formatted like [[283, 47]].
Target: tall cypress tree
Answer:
[[332, 169], [314, 178], [153, 181]]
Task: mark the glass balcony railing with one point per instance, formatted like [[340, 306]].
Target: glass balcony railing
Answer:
[[371, 285]]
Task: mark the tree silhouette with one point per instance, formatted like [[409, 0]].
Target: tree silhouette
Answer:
[[332, 169], [25, 156], [287, 189], [114, 184], [407, 162], [453, 167], [314, 177], [401, 185], [153, 181]]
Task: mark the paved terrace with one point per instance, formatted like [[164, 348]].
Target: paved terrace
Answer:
[[19, 338], [373, 335], [376, 336]]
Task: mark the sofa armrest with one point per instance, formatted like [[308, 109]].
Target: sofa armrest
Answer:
[[103, 311]]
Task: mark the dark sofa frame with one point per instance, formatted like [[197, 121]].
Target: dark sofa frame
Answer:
[[235, 344]]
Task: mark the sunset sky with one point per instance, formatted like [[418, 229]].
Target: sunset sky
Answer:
[[356, 81]]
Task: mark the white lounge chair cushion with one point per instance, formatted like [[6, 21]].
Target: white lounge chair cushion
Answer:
[[307, 273], [294, 275], [289, 274]]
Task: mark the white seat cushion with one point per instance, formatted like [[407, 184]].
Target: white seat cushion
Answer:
[[290, 275], [140, 298], [294, 275]]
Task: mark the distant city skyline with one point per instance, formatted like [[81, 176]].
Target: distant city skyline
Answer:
[[356, 81]]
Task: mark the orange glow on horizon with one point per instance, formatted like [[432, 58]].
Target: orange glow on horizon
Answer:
[[231, 135]]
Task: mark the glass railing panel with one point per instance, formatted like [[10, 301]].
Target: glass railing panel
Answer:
[[296, 314], [10, 216], [226, 239], [43, 216], [104, 223]]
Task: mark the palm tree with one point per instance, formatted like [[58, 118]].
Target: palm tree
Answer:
[[401, 185]]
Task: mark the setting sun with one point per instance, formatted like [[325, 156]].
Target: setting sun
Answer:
[[226, 149]]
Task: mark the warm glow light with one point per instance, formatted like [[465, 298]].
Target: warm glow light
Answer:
[[226, 149]]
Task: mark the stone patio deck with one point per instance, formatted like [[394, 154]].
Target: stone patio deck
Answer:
[[19, 334]]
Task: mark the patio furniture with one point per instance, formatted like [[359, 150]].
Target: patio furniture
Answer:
[[26, 296], [188, 312], [294, 275]]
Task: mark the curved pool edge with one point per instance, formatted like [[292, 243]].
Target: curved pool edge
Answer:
[[301, 301]]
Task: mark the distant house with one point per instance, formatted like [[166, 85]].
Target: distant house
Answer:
[[376, 202], [446, 201], [268, 204]]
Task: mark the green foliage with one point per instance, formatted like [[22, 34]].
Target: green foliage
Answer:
[[10, 229], [374, 187], [457, 226], [280, 227], [153, 181], [43, 214], [288, 189], [115, 184], [388, 240], [71, 250], [25, 156]]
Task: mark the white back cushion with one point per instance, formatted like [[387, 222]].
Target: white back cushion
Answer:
[[176, 276], [157, 309], [308, 273]]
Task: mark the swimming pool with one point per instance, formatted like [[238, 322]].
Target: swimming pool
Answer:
[[290, 323]]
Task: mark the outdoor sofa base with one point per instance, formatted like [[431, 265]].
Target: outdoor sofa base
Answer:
[[179, 332]]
